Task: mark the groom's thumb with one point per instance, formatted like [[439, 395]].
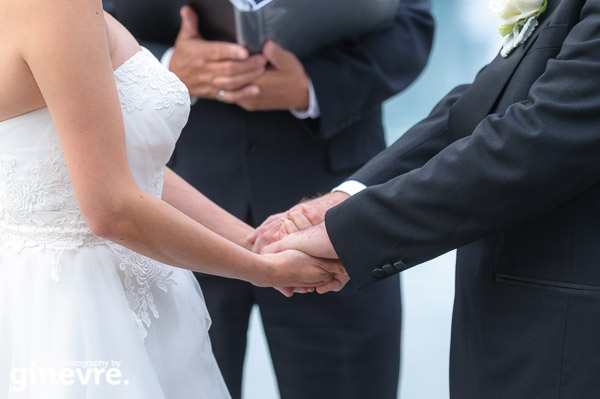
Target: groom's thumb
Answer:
[[189, 24]]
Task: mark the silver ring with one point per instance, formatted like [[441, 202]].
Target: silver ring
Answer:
[[222, 95]]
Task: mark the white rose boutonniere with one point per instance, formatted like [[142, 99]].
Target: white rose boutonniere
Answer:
[[518, 20]]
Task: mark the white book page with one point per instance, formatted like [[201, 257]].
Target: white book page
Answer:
[[249, 5]]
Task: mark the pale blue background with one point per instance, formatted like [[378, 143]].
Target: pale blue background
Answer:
[[466, 39]]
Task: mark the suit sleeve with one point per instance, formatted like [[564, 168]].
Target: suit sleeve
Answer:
[[355, 76], [417, 146], [514, 168]]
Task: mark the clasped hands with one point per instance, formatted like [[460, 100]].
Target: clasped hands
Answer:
[[302, 228], [272, 80]]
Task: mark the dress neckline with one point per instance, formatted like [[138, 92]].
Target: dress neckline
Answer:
[[135, 55], [142, 50]]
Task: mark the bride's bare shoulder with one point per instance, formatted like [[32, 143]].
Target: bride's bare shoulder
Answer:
[[38, 32], [66, 12], [19, 92]]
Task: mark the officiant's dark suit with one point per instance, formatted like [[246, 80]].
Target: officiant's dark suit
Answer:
[[506, 169], [255, 164]]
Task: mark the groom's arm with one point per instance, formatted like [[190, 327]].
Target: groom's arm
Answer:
[[411, 151], [514, 167]]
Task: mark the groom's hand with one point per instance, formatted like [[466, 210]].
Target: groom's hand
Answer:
[[305, 273], [207, 67], [315, 242], [299, 217]]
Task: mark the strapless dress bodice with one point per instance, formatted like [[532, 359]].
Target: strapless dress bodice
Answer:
[[38, 207], [37, 201]]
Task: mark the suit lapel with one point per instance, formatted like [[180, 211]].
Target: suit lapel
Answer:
[[476, 103]]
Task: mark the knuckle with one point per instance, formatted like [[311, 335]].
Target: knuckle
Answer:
[[216, 51], [196, 80], [224, 83], [229, 67], [197, 62], [226, 51]]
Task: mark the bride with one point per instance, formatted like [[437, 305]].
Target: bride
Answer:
[[88, 306]]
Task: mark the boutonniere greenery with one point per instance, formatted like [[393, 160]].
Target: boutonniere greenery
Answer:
[[518, 20]]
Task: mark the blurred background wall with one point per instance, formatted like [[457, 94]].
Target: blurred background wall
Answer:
[[466, 39]]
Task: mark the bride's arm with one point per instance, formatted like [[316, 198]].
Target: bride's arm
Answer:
[[64, 44], [187, 199]]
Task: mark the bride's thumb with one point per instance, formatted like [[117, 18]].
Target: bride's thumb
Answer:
[[272, 248]]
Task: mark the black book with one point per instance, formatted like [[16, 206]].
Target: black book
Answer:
[[301, 26]]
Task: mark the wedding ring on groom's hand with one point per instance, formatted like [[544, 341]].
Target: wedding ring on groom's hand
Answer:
[[221, 96]]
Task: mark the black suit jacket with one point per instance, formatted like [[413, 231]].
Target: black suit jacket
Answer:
[[266, 161], [508, 171]]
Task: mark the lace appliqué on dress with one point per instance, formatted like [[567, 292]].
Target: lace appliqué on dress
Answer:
[[134, 77], [141, 275], [42, 211]]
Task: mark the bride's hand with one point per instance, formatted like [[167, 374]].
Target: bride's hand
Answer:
[[303, 272]]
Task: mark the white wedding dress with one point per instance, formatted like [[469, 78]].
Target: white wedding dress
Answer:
[[82, 317]]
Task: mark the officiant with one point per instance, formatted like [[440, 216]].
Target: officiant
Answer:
[[267, 130]]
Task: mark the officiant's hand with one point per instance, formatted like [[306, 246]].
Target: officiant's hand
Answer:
[[283, 86], [300, 217], [207, 67]]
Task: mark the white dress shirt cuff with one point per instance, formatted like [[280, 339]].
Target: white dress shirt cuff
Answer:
[[166, 58], [313, 111], [166, 61], [350, 187]]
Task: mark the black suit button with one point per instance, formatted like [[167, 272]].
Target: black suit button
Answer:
[[389, 269], [251, 147], [400, 266], [378, 274], [345, 123]]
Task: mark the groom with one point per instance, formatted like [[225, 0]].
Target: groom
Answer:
[[507, 170]]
